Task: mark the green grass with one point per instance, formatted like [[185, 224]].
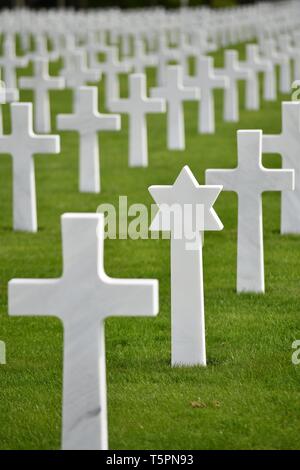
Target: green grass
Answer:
[[248, 397]]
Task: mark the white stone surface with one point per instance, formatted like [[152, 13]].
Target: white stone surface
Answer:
[[287, 144], [22, 144], [187, 297], [83, 298], [249, 180], [207, 81], [76, 71], [234, 72], [41, 83], [165, 54], [260, 64], [137, 105], [87, 121], [10, 62], [175, 93], [41, 49], [111, 68], [141, 60], [282, 60], [6, 96]]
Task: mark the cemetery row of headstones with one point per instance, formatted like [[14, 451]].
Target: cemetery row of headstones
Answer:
[[130, 43]]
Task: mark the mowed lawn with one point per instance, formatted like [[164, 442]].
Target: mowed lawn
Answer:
[[248, 397]]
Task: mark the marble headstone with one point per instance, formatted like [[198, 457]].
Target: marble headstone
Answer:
[[186, 196], [82, 299], [249, 180]]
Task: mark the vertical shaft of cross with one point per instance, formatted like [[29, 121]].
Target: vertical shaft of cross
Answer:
[[252, 93], [138, 140], [89, 168], [250, 260], [84, 399], [231, 103], [175, 127], [187, 301], [270, 82], [250, 268], [290, 206], [112, 88], [24, 193], [42, 115], [206, 114]]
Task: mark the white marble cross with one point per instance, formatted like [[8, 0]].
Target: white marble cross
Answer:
[[41, 49], [141, 60], [165, 55], [76, 72], [137, 105], [207, 81], [111, 68], [287, 144], [249, 180], [296, 37], [83, 298], [10, 62], [291, 51], [87, 121], [41, 83], [259, 64], [22, 144], [6, 96], [175, 93], [252, 91], [270, 51], [234, 72], [186, 210], [65, 44], [93, 49]]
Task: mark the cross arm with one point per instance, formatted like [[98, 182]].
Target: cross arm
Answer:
[[28, 83], [272, 143], [155, 105], [225, 178], [47, 144], [67, 122], [131, 297], [159, 92], [263, 65], [110, 122], [220, 81], [191, 93], [120, 106], [32, 297], [92, 75], [244, 73], [279, 180], [57, 83]]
